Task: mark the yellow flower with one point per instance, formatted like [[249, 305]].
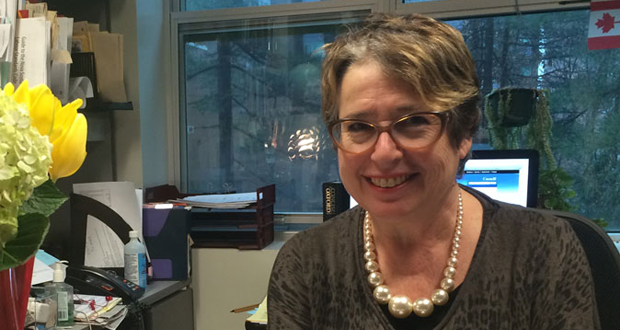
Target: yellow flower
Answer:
[[64, 126]]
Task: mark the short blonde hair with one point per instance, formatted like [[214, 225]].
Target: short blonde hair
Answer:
[[429, 55]]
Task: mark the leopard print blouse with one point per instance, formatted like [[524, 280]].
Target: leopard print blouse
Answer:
[[529, 272]]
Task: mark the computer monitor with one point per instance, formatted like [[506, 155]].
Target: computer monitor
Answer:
[[509, 176]]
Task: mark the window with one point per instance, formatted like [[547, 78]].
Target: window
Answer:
[[250, 99], [549, 50], [252, 110]]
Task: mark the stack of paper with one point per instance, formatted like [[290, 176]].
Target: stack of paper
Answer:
[[225, 201]]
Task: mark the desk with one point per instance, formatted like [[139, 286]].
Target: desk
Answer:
[[171, 305]]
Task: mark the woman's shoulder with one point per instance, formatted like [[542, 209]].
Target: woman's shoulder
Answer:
[[518, 216], [528, 227]]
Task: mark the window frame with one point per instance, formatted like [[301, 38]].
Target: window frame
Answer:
[[193, 21], [452, 9]]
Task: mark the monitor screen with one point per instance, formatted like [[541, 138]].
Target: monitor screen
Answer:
[[509, 176]]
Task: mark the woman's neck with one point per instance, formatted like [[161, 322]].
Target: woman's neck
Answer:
[[431, 225]]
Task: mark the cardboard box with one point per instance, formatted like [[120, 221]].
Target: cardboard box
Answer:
[[166, 234]]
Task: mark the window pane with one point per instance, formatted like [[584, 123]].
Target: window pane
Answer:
[[549, 50], [252, 113], [191, 5]]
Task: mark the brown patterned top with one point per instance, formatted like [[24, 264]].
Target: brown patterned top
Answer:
[[529, 272]]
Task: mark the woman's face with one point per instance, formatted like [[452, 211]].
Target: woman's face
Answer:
[[386, 180]]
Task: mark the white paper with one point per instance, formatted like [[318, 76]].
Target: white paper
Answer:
[[224, 198], [30, 57], [60, 80], [41, 272], [113, 318], [3, 8], [48, 52], [65, 33], [224, 201], [80, 88], [10, 7], [103, 247], [5, 38]]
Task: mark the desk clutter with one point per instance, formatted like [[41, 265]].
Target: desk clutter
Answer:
[[66, 301], [93, 289], [249, 228], [242, 220]]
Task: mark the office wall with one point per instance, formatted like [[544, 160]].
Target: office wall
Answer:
[[127, 140], [152, 36]]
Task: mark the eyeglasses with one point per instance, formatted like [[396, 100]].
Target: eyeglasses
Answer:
[[413, 131]]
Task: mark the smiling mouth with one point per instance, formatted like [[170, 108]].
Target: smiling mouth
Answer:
[[389, 183]]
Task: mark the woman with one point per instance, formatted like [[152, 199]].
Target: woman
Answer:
[[400, 99]]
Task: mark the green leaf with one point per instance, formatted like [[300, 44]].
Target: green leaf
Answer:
[[45, 199], [601, 222], [32, 230]]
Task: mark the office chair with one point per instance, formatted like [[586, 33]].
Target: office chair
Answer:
[[604, 262]]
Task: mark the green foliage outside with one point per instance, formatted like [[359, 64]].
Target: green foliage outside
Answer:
[[549, 51]]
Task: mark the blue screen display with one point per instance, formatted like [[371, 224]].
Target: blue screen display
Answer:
[[501, 179]]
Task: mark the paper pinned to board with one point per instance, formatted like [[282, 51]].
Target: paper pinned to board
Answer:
[[103, 247]]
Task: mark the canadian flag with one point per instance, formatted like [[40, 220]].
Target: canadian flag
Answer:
[[604, 29]]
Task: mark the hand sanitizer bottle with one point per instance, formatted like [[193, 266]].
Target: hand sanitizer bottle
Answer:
[[64, 294], [135, 260]]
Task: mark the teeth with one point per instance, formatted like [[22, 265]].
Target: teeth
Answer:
[[389, 183]]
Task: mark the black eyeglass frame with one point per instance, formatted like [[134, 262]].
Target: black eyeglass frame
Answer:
[[443, 116]]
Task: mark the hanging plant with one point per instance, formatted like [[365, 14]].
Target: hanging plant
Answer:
[[520, 118], [513, 107], [539, 130], [508, 110]]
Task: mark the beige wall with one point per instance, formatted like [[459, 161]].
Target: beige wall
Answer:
[[127, 144], [224, 279]]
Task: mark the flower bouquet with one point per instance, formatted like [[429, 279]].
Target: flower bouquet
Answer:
[[40, 142]]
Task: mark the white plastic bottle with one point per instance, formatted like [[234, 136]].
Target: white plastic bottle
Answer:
[[135, 260], [64, 294]]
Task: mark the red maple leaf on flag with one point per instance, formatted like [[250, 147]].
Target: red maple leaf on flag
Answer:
[[607, 23]]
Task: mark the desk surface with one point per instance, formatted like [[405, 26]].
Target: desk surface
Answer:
[[157, 290]]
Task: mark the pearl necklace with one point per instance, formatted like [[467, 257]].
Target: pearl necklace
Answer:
[[401, 306]]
